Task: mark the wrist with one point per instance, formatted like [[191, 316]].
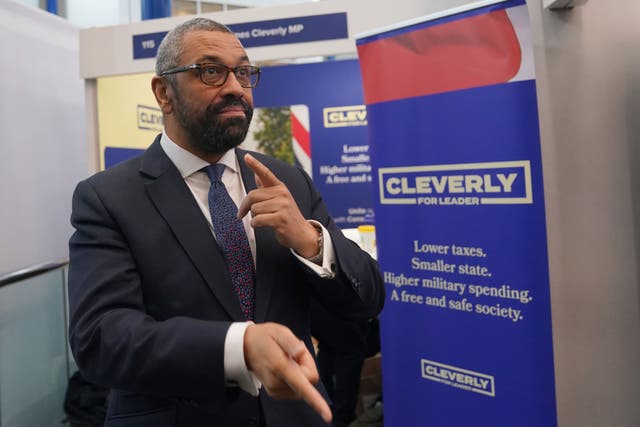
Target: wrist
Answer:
[[316, 258]]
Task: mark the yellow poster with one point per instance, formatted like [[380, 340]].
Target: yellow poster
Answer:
[[128, 115]]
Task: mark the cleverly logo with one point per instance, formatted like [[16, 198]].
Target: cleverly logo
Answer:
[[491, 183], [353, 115], [457, 377], [149, 118]]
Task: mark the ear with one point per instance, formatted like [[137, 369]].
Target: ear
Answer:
[[162, 91]]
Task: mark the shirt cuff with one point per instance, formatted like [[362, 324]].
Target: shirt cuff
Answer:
[[327, 269], [236, 372]]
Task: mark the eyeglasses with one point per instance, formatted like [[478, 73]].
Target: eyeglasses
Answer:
[[213, 74]]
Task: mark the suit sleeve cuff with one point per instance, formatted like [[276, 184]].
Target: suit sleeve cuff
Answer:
[[327, 269], [235, 369]]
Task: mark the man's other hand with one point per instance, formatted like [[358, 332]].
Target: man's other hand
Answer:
[[284, 365]]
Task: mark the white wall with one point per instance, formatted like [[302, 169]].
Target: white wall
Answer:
[[43, 147], [34, 3], [96, 13], [588, 70]]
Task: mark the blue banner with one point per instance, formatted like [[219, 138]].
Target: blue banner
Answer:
[[300, 29], [146, 45], [460, 221]]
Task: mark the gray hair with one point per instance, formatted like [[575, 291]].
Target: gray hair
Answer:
[[171, 47]]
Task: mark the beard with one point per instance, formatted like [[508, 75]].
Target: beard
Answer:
[[209, 133]]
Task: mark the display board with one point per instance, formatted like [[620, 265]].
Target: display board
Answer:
[[339, 146], [460, 218]]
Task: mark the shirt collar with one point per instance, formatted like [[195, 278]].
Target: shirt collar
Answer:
[[188, 163]]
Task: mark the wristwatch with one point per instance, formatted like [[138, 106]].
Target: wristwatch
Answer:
[[317, 258]]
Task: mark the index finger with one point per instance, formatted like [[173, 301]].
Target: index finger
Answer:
[[264, 177], [302, 372], [307, 392]]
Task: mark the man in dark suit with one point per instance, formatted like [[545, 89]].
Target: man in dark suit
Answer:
[[160, 309]]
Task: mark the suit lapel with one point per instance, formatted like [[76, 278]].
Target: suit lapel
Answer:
[[176, 204], [265, 241]]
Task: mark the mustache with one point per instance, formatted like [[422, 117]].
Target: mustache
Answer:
[[235, 102]]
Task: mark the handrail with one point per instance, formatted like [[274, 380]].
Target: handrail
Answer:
[[34, 270]]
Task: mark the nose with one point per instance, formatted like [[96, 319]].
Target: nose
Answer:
[[232, 87]]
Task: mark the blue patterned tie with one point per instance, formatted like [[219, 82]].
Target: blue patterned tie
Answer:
[[232, 238]]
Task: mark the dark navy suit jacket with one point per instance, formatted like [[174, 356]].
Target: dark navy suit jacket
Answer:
[[151, 298]]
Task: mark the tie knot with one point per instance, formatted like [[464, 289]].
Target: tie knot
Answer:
[[215, 171]]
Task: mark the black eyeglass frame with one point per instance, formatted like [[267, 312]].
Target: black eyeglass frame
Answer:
[[252, 70]]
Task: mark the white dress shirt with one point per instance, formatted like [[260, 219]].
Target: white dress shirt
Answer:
[[189, 166]]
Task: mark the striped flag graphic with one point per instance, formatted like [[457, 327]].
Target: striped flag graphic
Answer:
[[300, 137]]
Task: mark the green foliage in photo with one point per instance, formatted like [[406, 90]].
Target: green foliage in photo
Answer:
[[273, 133]]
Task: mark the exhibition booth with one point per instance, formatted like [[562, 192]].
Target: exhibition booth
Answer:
[[431, 133], [491, 145]]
